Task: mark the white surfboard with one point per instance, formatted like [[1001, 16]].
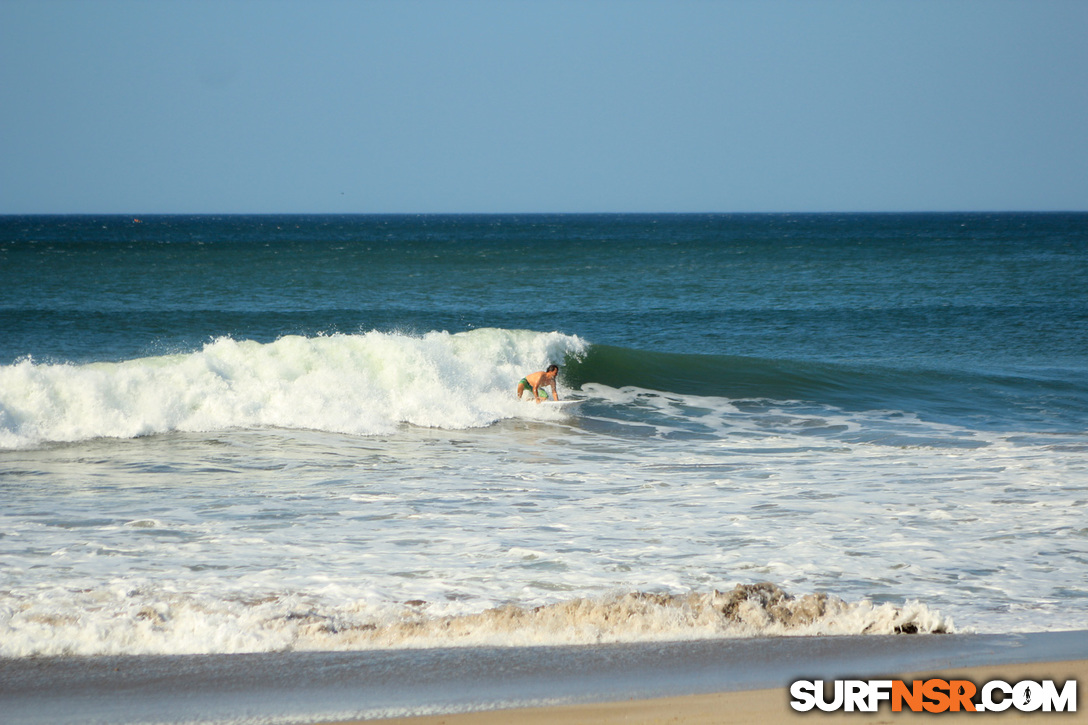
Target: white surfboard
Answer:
[[561, 403]]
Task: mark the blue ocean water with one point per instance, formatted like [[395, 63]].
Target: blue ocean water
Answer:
[[272, 432]]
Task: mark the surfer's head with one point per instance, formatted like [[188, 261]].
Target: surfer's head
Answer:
[[552, 369]]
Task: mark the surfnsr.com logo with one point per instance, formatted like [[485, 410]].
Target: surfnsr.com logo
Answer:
[[934, 695]]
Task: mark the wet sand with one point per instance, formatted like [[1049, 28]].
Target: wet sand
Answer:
[[738, 680]]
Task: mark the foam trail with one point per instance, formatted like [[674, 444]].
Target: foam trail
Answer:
[[356, 384]]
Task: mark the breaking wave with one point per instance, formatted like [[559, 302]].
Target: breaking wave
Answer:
[[371, 383], [140, 622], [356, 384]]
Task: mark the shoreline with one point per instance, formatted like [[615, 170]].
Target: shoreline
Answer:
[[587, 683]]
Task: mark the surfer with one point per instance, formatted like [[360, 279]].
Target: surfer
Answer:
[[535, 381]]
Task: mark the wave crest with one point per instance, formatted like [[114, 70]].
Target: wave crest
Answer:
[[145, 621]]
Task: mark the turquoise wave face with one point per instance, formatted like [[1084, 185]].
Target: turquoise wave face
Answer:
[[985, 401]]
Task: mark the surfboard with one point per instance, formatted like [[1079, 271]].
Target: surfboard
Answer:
[[546, 399], [561, 403]]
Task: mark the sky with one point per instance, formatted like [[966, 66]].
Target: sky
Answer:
[[517, 106]]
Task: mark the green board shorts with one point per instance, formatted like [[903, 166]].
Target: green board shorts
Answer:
[[540, 391]]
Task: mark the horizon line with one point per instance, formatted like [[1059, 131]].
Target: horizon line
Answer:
[[149, 214]]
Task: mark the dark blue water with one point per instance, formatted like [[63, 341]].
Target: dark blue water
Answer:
[[947, 315]]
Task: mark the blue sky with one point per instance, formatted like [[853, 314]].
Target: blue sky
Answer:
[[187, 106]]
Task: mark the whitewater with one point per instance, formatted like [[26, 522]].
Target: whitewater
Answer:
[[360, 384]]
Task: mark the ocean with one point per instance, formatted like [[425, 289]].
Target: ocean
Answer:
[[300, 433]]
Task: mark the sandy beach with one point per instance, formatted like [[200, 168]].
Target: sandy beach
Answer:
[[763, 706]]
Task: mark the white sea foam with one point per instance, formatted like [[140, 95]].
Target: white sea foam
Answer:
[[358, 384], [119, 620]]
